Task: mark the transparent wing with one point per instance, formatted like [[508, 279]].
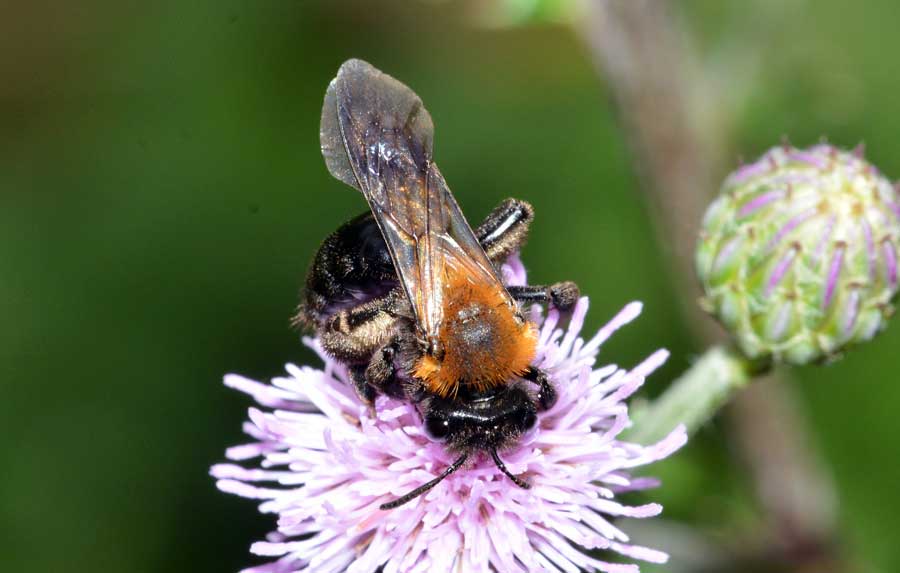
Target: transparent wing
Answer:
[[377, 137]]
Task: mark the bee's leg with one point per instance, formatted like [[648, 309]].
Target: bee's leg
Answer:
[[354, 334], [365, 392], [503, 232], [380, 373], [547, 393], [562, 295], [505, 229]]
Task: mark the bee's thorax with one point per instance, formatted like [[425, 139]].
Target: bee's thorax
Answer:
[[484, 343]]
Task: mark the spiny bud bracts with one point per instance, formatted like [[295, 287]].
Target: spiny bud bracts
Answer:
[[798, 254]]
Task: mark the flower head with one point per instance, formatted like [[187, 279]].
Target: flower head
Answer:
[[325, 462], [798, 254]]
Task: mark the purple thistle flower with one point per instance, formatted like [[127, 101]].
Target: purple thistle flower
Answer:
[[325, 462]]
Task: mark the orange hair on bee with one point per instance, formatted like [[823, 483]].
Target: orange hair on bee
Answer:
[[484, 344]]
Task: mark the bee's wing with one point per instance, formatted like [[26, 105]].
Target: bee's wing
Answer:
[[377, 137]]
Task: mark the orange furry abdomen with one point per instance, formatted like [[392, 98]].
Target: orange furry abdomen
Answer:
[[484, 344]]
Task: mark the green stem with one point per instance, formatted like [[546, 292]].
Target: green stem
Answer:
[[693, 398]]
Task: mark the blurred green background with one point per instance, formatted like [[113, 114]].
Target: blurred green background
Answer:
[[162, 191]]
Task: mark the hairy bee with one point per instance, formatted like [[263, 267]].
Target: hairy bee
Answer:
[[408, 296]]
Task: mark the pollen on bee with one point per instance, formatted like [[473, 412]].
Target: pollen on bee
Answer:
[[485, 345]]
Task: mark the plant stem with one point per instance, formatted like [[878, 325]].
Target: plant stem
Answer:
[[664, 93], [693, 398]]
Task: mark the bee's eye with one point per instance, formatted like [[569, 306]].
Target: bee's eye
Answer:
[[437, 427]]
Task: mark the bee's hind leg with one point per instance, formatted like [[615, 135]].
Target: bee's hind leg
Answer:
[[353, 334], [362, 337]]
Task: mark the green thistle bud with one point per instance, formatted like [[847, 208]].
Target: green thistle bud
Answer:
[[798, 254]]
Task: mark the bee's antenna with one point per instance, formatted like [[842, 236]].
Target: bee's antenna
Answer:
[[425, 487], [516, 479]]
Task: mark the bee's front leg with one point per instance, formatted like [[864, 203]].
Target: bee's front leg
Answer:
[[561, 295], [547, 393]]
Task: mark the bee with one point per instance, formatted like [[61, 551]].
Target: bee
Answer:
[[409, 296]]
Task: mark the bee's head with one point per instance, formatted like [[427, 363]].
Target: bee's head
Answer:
[[473, 420]]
